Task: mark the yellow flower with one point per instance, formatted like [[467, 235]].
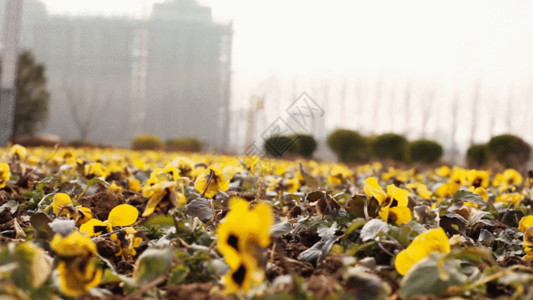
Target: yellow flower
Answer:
[[127, 241], [115, 187], [291, 185], [421, 189], [60, 201], [96, 169], [443, 171], [241, 236], [4, 174], [477, 178], [162, 185], [76, 268], [515, 198], [134, 184], [120, 215], [78, 276], [213, 180], [525, 223], [74, 244], [434, 240], [62, 206], [480, 192], [18, 151], [510, 178], [393, 204], [528, 244], [449, 188]]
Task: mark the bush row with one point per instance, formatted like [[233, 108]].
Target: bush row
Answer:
[[508, 150], [351, 146], [153, 142], [298, 144]]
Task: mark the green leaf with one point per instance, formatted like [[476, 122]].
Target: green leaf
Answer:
[[200, 208], [152, 264], [32, 265], [372, 228], [40, 221], [467, 196], [310, 181], [431, 276], [356, 206], [12, 205], [178, 275]]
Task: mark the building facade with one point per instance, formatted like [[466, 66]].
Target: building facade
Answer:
[[113, 78]]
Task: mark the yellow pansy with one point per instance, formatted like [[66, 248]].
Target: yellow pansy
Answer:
[[443, 171], [96, 169], [477, 178], [525, 223], [447, 189], [393, 204], [162, 185], [62, 206], [134, 184], [127, 241], [434, 240], [510, 178], [120, 215], [528, 244], [4, 174], [515, 198], [213, 180], [18, 151], [76, 268], [421, 189], [241, 236], [74, 244]]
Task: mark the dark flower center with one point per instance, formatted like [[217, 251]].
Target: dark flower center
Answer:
[[238, 276], [233, 241]]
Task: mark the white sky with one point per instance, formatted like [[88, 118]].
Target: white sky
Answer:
[[449, 44]]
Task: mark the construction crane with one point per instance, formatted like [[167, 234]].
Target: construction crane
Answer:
[[8, 76]]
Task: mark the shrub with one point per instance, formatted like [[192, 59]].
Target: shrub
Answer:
[[146, 142], [477, 155], [425, 151], [184, 144], [348, 145], [509, 150], [277, 145], [390, 146], [304, 145]]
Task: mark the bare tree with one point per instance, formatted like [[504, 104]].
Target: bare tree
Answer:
[[427, 106], [407, 106], [86, 103], [475, 109]]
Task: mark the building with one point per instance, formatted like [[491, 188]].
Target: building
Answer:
[[113, 78]]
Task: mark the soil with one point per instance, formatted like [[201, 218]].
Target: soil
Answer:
[[102, 203], [195, 291]]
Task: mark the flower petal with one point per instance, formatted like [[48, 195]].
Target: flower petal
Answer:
[[123, 215]]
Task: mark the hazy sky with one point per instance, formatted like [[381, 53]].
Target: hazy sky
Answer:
[[447, 45]]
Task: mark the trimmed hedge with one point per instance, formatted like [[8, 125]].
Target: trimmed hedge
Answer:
[[477, 155], [348, 145], [425, 151], [390, 146], [184, 144], [509, 150], [147, 142], [304, 145], [277, 145]]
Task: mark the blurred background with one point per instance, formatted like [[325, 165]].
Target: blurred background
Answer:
[[457, 72]]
